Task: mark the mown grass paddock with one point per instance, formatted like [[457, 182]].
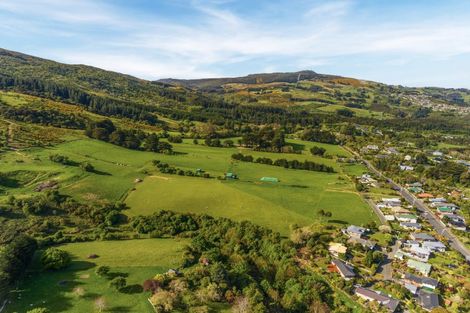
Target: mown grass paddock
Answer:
[[75, 289]]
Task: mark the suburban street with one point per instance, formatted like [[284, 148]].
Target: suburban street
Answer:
[[377, 211], [424, 210], [386, 267]]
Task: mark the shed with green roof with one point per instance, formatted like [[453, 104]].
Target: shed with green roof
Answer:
[[269, 179]]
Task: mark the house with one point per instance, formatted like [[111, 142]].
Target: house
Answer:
[[425, 195], [406, 168], [422, 237], [447, 205], [463, 162], [337, 248], [400, 255], [421, 282], [420, 254], [363, 242], [407, 157], [372, 147], [428, 300], [346, 271], [400, 210], [429, 283], [392, 150], [366, 179], [421, 267], [457, 225], [415, 184], [408, 218], [438, 204], [437, 154], [434, 246], [389, 217], [437, 200], [356, 231], [444, 209], [415, 189], [411, 288], [456, 218], [391, 202], [370, 295], [411, 243], [410, 226]]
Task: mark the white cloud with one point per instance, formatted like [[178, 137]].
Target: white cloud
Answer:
[[217, 36], [330, 8]]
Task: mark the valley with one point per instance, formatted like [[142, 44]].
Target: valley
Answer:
[[278, 192]]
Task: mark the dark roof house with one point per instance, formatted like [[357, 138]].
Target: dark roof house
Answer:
[[428, 300], [346, 271], [422, 237], [371, 295]]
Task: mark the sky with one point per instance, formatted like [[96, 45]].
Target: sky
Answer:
[[405, 42]]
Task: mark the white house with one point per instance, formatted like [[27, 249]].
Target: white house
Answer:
[[406, 168], [435, 246]]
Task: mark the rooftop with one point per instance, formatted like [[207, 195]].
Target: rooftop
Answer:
[[421, 267], [356, 229], [422, 236], [390, 303], [428, 300], [345, 269]]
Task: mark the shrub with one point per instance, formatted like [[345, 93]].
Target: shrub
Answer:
[[55, 259], [57, 158], [87, 167], [118, 283], [103, 271], [175, 139], [318, 150]]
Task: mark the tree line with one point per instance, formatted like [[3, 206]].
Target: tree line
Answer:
[[97, 104], [293, 164], [105, 130], [48, 117]]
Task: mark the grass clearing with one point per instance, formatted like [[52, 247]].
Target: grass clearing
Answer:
[[138, 259]]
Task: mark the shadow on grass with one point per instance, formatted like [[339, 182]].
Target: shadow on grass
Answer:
[[113, 275], [81, 265], [297, 146], [97, 172], [120, 309], [338, 222], [132, 289]]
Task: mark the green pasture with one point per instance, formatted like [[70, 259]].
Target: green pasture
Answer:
[[358, 112], [296, 199], [74, 289]]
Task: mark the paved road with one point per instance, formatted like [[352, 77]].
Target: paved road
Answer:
[[386, 266], [377, 211], [424, 210]]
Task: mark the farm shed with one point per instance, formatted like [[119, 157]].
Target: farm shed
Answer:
[[231, 176], [269, 179]]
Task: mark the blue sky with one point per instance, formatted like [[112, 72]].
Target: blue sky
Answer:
[[408, 42]]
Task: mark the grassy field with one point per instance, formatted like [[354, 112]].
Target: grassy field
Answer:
[[358, 112], [75, 289], [296, 199]]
